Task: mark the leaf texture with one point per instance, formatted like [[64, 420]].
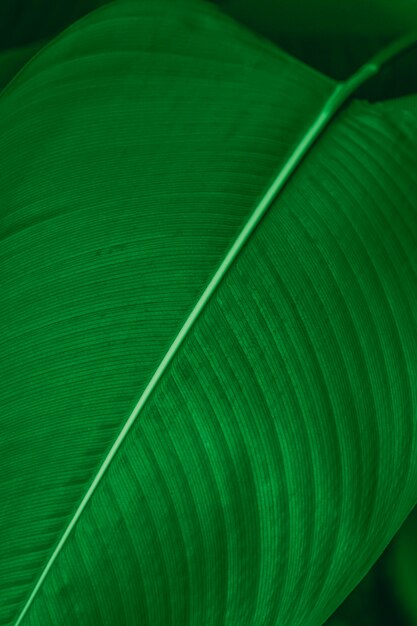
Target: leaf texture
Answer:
[[119, 200], [276, 456]]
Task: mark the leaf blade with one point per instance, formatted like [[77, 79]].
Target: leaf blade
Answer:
[[74, 301], [271, 484]]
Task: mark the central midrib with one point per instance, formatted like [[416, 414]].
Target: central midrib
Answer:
[[342, 92]]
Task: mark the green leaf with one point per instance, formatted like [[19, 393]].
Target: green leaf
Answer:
[[209, 366]]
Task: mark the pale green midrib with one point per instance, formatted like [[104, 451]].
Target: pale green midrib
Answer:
[[340, 95]]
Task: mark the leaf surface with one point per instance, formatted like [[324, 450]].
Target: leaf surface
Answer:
[[274, 456]]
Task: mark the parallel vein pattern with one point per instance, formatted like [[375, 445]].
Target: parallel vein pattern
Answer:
[[120, 195], [278, 455], [280, 445]]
